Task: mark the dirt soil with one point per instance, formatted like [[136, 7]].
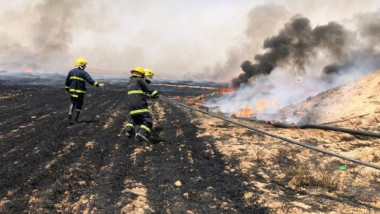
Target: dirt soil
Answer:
[[195, 163]]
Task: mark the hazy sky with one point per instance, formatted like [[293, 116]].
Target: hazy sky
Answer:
[[178, 39]]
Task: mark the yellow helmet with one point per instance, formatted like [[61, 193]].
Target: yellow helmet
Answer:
[[139, 70], [148, 72], [80, 62]]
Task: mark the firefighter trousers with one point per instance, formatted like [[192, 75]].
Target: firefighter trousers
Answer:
[[77, 101], [140, 123]]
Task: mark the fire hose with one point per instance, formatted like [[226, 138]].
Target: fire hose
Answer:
[[271, 135], [313, 126], [331, 128]]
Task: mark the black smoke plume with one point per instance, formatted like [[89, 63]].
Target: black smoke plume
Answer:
[[295, 45]]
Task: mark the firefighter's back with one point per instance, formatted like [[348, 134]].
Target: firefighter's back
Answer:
[[77, 79]]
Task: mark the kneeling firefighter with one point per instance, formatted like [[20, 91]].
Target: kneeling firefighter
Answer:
[[140, 121], [76, 85]]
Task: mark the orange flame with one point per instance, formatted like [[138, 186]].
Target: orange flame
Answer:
[[29, 69], [261, 105], [199, 101], [225, 90], [245, 112], [190, 101]]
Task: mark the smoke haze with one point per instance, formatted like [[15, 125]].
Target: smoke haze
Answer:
[[301, 61], [295, 45], [174, 38], [177, 39]]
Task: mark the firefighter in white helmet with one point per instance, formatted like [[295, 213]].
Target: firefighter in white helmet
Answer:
[[140, 121], [76, 86]]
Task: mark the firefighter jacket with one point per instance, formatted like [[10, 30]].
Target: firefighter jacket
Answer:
[[76, 81], [138, 90]]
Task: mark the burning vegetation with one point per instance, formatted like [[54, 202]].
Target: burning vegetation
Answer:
[[87, 167], [300, 62], [198, 164], [261, 106]]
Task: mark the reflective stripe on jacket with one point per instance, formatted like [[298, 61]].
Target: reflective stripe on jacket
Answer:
[[76, 81], [137, 90]]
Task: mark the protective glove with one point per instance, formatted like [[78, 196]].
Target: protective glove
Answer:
[[99, 85], [67, 90]]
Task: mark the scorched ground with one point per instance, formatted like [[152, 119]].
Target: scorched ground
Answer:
[[49, 165], [195, 164]]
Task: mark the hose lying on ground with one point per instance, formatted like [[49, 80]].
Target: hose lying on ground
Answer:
[[331, 128], [272, 135], [313, 126]]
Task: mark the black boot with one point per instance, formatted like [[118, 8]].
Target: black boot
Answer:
[[77, 113], [129, 134], [141, 137], [71, 109]]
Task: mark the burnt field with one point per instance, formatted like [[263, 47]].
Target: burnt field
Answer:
[[49, 165], [195, 163]]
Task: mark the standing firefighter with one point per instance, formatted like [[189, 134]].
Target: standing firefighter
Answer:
[[148, 75], [76, 86], [140, 121]]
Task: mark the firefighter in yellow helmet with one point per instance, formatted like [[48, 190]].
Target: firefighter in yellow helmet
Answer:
[[140, 121], [148, 75], [76, 86]]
